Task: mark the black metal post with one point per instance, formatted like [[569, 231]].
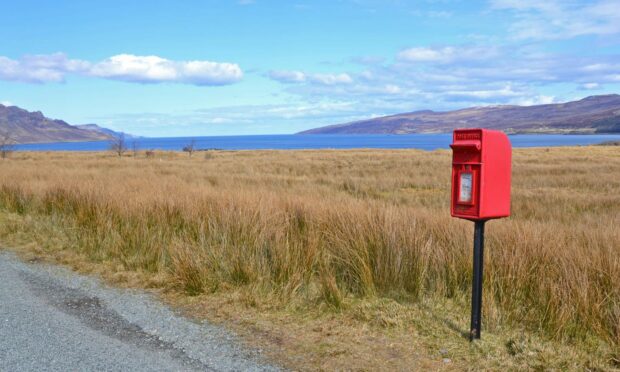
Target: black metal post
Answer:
[[476, 290]]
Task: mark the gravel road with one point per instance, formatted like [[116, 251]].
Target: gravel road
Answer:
[[52, 319]]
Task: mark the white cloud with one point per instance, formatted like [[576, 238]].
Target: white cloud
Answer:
[[40, 68], [6, 103], [296, 77], [453, 76], [446, 54], [535, 100], [614, 77], [153, 69], [506, 91], [288, 76], [125, 67], [559, 19], [590, 86], [546, 6], [392, 89], [425, 54], [331, 79]]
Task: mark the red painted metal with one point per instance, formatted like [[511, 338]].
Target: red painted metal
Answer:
[[483, 157]]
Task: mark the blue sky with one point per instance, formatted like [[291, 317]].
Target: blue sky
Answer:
[[179, 68]]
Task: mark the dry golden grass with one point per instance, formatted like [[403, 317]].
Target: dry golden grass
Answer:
[[363, 234]]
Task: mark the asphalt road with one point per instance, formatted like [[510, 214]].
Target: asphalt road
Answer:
[[52, 319]]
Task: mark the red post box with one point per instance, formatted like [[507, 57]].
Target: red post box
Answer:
[[481, 161]]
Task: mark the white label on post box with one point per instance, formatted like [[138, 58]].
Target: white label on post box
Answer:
[[465, 188]]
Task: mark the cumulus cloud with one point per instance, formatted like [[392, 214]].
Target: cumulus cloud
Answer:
[[126, 67], [154, 69]]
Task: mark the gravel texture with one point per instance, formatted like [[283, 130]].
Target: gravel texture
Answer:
[[52, 319]]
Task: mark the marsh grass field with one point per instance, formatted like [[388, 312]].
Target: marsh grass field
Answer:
[[343, 259]]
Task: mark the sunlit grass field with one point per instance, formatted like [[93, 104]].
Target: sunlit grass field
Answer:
[[308, 230]]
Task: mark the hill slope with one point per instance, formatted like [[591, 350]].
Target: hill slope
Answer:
[[595, 114], [110, 132], [32, 127]]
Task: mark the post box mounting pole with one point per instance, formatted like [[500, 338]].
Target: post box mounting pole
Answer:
[[480, 191], [476, 290]]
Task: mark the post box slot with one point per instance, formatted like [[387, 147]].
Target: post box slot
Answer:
[[466, 145]]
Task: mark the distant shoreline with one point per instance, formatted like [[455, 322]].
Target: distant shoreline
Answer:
[[304, 133], [317, 142]]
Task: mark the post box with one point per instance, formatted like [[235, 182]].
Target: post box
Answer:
[[481, 169], [481, 161]]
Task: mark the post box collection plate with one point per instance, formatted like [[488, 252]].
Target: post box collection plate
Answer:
[[466, 187]]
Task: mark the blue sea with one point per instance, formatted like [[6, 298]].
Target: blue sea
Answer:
[[322, 141]]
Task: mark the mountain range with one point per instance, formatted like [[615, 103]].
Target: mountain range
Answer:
[[594, 114], [23, 126]]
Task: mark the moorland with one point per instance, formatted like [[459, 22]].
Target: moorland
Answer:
[[344, 259]]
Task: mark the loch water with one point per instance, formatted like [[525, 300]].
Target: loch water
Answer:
[[322, 141]]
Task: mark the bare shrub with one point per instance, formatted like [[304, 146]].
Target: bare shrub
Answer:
[[190, 147], [7, 145], [135, 148], [118, 144]]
